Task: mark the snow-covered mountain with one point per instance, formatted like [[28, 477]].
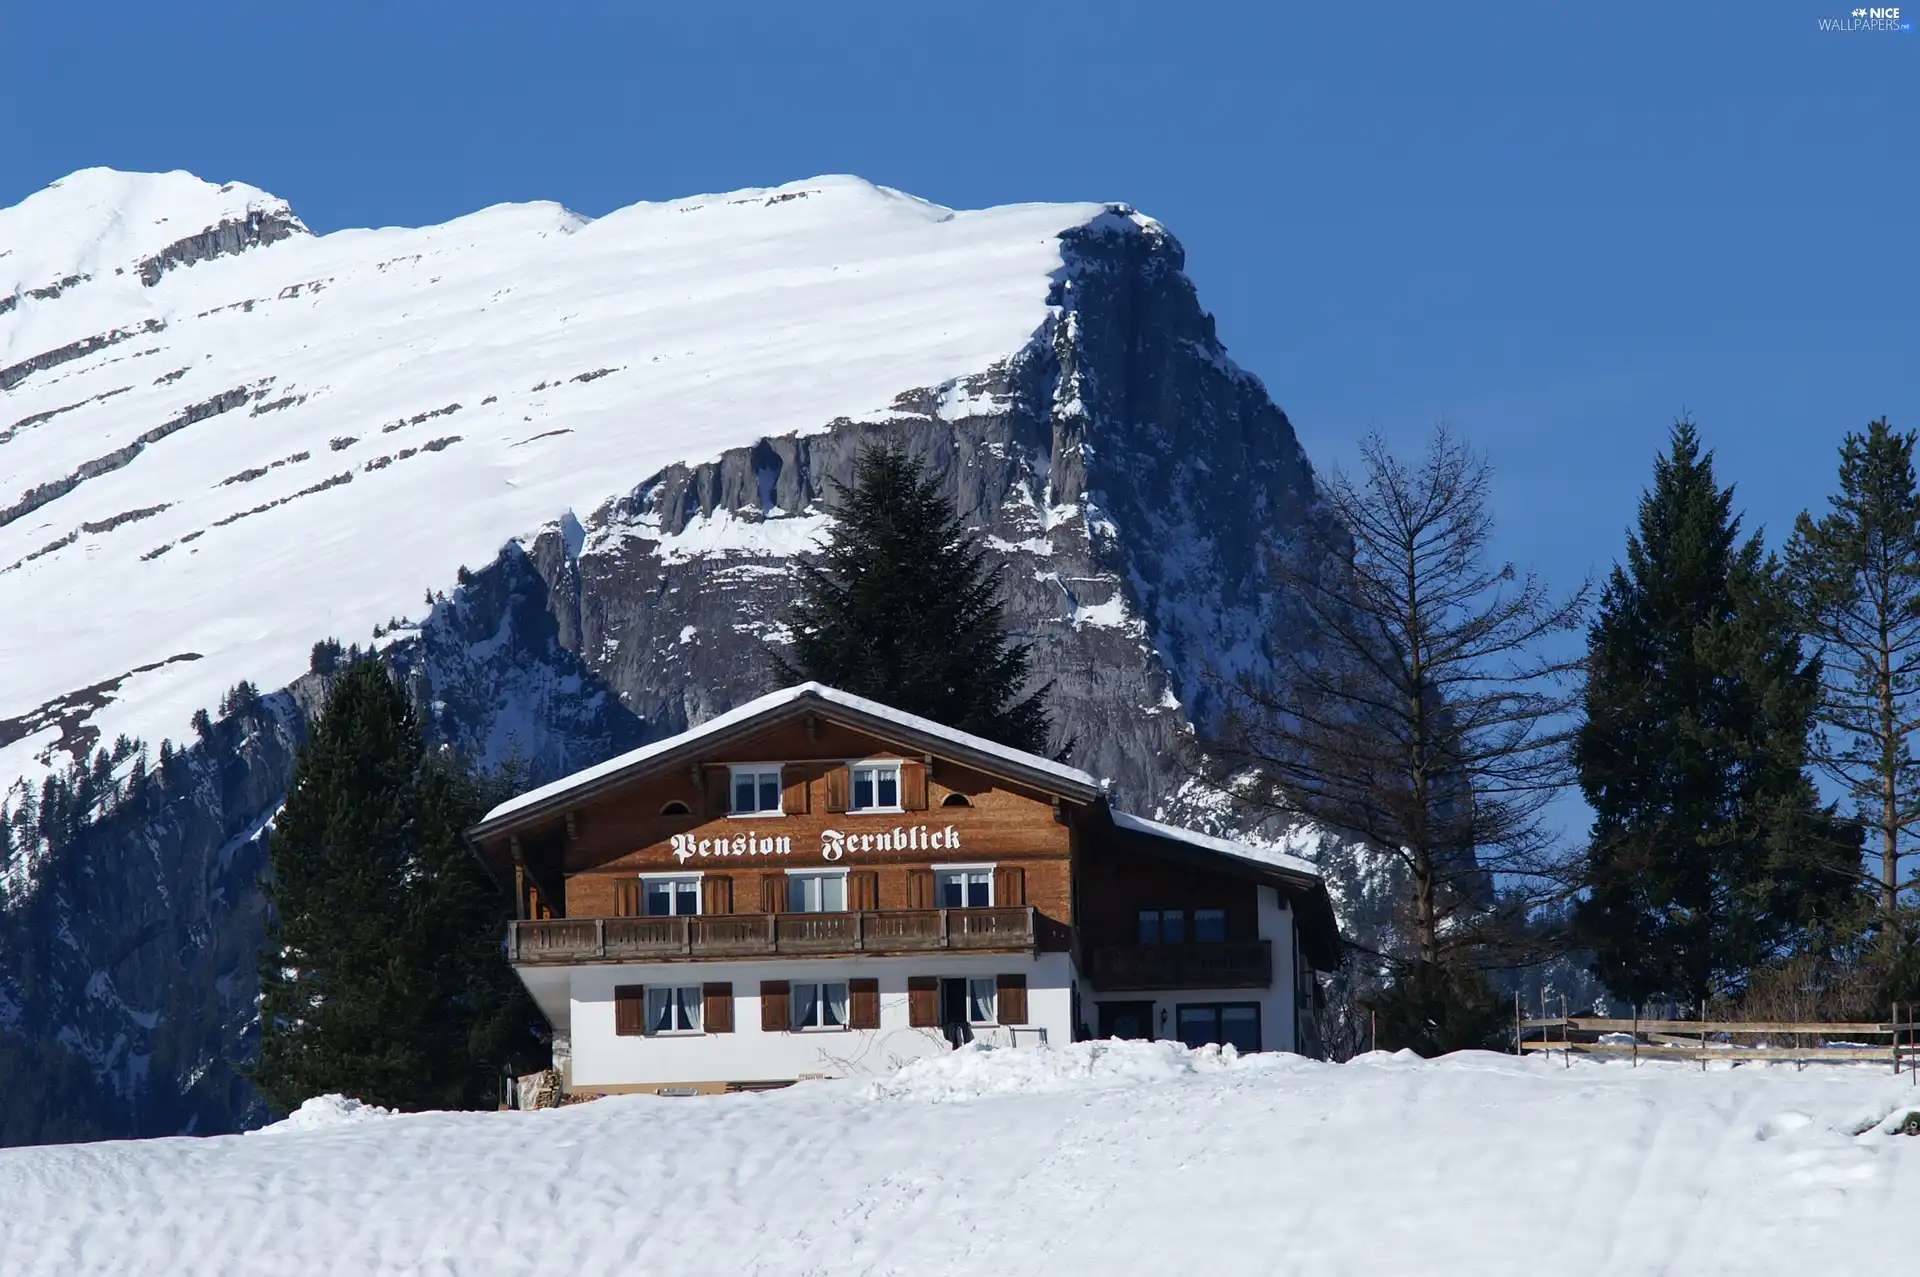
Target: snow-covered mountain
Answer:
[[557, 464]]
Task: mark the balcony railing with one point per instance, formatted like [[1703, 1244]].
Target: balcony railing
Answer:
[[568, 940], [1238, 965]]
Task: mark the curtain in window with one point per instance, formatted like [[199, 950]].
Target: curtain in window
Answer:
[[690, 1004], [659, 1010], [836, 1004], [806, 1001], [980, 1001]]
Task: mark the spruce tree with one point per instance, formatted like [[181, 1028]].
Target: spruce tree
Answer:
[[1855, 578], [901, 606], [1710, 851], [383, 976]]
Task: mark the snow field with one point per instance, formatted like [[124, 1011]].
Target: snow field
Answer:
[[1100, 1158], [399, 403]]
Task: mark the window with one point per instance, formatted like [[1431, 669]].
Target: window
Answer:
[[956, 800], [981, 1006], [670, 897], [820, 1006], [756, 791], [817, 892], [1163, 926], [969, 1000], [963, 888], [675, 808], [876, 787], [1235, 1024], [673, 1009], [1210, 926]]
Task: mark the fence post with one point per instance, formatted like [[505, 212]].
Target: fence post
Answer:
[[1518, 1032], [1893, 1022], [1636, 1035]]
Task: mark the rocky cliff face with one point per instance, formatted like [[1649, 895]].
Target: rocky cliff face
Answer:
[[1133, 483]]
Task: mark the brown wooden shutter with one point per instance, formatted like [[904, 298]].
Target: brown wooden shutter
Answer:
[[923, 1001], [719, 782], [919, 888], [837, 785], [913, 786], [716, 1016], [775, 1017], [1012, 999], [629, 1010], [793, 791], [1010, 885], [716, 894], [863, 889], [863, 1004], [773, 893], [626, 898]]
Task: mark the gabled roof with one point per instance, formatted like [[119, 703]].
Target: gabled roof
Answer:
[[828, 702], [1302, 884]]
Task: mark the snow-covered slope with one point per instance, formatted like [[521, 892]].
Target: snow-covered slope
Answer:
[[1103, 1158], [206, 466]]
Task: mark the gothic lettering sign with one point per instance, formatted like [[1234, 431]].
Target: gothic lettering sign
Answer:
[[834, 843]]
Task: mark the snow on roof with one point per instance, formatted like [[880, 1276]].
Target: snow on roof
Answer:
[[1272, 857], [774, 700]]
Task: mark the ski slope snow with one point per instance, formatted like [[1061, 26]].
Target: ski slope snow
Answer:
[[208, 462], [1101, 1158]]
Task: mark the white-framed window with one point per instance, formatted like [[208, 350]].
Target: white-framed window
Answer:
[[982, 1002], [816, 891], [876, 787], [673, 1008], [962, 886], [669, 895], [821, 1005], [756, 790]]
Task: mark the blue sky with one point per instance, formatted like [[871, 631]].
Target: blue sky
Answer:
[[1558, 226]]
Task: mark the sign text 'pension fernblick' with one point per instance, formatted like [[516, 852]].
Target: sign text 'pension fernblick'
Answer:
[[834, 843]]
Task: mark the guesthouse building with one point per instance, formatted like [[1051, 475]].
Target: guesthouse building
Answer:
[[818, 885]]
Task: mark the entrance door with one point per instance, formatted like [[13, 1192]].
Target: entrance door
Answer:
[[954, 1021], [1127, 1020]]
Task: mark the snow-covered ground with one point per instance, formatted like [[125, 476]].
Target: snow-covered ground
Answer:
[[1100, 1158]]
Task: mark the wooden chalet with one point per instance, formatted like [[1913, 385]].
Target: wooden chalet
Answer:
[[815, 884]]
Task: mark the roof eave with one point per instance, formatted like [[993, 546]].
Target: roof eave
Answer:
[[800, 706]]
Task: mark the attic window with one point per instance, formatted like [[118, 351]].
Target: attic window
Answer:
[[676, 808], [955, 800]]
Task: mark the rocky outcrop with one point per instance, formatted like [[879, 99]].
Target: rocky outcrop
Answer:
[[259, 228], [1132, 483]]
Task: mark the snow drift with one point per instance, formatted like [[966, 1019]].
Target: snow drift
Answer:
[[1034, 1162]]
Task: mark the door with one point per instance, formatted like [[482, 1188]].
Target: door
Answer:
[[954, 1021], [1127, 1020]]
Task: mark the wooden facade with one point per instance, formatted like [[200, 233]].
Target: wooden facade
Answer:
[[649, 865]]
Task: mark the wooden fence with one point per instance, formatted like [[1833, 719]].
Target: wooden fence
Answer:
[[1894, 1042]]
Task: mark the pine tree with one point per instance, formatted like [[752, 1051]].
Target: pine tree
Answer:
[[901, 606], [1710, 852], [1855, 578], [383, 977]]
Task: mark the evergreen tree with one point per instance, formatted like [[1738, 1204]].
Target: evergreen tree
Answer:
[[383, 977], [1855, 577], [901, 606], [1710, 851]]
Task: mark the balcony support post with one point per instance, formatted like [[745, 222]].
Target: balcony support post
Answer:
[[599, 937]]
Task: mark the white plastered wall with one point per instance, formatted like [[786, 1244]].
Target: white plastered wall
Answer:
[[601, 1058]]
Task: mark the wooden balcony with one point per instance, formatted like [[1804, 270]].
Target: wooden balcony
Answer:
[[555, 941], [1241, 965]]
